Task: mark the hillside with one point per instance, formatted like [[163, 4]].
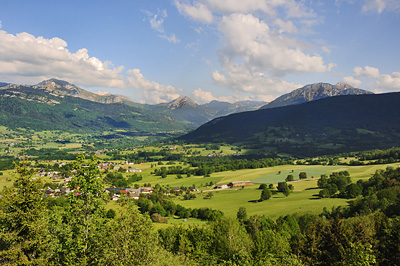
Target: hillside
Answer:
[[330, 125], [64, 88], [49, 108], [182, 109], [314, 92], [185, 110]]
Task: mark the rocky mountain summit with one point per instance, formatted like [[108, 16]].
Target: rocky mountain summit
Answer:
[[181, 102], [314, 92]]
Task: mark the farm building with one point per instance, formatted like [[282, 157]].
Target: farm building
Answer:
[[239, 183]]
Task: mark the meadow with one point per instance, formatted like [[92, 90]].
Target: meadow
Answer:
[[303, 199]]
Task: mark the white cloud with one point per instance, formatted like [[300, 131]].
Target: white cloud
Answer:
[[25, 58], [258, 46], [198, 11], [1, 25], [352, 81], [171, 38], [151, 91], [380, 5], [201, 96], [286, 26], [375, 80], [369, 72], [240, 79], [157, 23], [250, 39], [389, 82]]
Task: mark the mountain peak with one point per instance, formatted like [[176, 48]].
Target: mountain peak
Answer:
[[182, 102], [315, 91], [342, 85], [54, 82]]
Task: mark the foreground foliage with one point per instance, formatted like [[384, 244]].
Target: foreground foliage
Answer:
[[77, 230]]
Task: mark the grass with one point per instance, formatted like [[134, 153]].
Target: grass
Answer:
[[302, 200]]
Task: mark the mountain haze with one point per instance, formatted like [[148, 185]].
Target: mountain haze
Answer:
[[186, 110], [314, 92]]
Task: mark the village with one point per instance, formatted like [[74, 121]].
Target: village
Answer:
[[116, 193]]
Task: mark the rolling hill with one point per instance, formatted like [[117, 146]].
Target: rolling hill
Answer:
[[330, 125]]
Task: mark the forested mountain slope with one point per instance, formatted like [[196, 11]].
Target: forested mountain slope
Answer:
[[329, 125], [29, 107]]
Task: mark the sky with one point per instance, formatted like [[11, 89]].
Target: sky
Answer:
[[227, 50]]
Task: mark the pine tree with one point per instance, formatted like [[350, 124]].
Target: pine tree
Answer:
[[23, 224]]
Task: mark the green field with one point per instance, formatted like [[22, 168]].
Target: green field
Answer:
[[302, 199]]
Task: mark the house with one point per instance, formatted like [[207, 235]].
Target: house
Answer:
[[146, 190], [177, 188], [115, 197], [219, 186], [134, 195], [239, 183], [134, 170]]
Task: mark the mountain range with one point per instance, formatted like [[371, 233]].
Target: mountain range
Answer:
[[311, 121], [56, 104], [329, 125]]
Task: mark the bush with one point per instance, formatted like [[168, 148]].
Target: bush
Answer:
[[303, 175], [262, 186], [265, 194], [157, 218]]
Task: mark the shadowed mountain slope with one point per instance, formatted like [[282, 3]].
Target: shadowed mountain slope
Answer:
[[335, 124]]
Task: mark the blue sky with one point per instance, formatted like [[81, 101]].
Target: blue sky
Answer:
[[231, 50]]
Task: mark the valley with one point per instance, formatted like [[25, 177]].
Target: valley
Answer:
[[257, 171]]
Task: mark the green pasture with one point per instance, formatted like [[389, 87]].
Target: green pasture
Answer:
[[302, 200], [271, 175]]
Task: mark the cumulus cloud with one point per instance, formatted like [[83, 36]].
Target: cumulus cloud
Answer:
[[25, 58], [151, 91], [258, 42], [157, 23], [375, 80], [369, 72], [240, 79], [389, 82], [381, 5], [201, 96], [352, 81], [30, 59], [250, 39]]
